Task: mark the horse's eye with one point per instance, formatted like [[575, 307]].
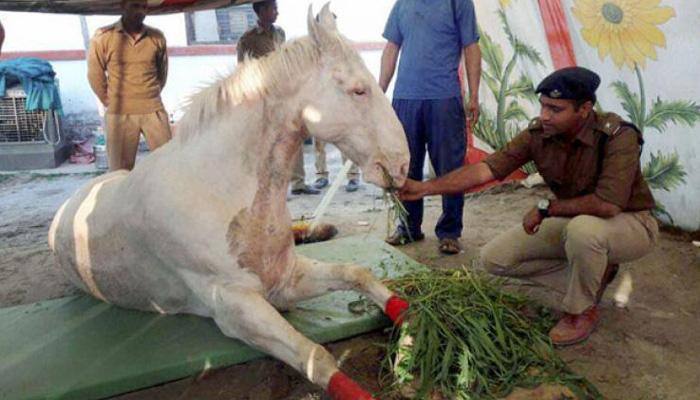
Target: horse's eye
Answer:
[[359, 92]]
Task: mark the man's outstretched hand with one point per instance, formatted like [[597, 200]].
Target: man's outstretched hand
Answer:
[[412, 190]]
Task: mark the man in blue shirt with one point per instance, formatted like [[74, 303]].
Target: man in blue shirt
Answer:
[[431, 36]]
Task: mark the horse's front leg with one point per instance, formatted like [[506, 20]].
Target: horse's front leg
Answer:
[[245, 314], [312, 278]]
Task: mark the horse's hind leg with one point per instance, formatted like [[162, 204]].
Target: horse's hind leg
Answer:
[[313, 278], [245, 314]]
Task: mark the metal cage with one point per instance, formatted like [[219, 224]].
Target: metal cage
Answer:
[[17, 125], [29, 139]]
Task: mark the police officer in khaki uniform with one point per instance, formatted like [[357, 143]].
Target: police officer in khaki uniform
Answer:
[[600, 213], [257, 42], [127, 70]]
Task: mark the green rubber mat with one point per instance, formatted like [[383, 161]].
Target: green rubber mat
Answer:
[[80, 348]]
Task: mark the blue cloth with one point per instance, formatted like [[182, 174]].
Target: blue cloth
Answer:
[[430, 45], [439, 126], [37, 79]]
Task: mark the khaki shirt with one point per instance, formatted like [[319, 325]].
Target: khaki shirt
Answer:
[[257, 42], [125, 73], [576, 169]]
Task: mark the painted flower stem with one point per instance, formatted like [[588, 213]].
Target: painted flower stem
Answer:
[[500, 120], [642, 99]]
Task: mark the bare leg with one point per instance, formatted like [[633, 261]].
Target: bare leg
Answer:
[[313, 278], [244, 314]]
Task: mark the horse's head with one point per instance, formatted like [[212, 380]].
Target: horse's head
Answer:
[[343, 104]]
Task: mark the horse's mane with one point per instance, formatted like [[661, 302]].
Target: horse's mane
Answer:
[[253, 79]]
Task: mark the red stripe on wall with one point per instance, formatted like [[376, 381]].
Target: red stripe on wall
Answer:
[[202, 50], [55, 55], [184, 51], [557, 29]]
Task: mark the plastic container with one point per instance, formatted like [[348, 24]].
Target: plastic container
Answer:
[[101, 162], [100, 150]]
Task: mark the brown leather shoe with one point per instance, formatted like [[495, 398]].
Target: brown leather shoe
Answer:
[[575, 328]]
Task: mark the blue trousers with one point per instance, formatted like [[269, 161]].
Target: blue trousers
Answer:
[[437, 126]]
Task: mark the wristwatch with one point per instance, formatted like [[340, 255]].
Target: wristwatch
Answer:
[[543, 208]]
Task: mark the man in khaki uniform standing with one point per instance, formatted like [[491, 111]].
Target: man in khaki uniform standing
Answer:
[[257, 42], [600, 215], [127, 70]]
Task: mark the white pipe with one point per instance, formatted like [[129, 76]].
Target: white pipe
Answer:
[[325, 201]]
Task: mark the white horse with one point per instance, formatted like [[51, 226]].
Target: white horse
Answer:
[[201, 226]]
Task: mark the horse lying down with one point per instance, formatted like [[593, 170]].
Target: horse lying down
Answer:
[[201, 225]]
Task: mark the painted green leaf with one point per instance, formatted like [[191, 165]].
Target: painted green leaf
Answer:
[[660, 211], [521, 48], [529, 168], [629, 102], [676, 112], [664, 171], [492, 54], [506, 27], [496, 129], [492, 83], [528, 52], [515, 112], [523, 88], [485, 130]]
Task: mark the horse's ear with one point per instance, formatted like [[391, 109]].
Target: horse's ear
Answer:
[[327, 18], [322, 28]]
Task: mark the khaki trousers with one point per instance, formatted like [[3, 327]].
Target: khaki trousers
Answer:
[[123, 133], [322, 167], [584, 244], [298, 174]]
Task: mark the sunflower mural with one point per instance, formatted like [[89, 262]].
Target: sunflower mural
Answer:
[[628, 32], [508, 89]]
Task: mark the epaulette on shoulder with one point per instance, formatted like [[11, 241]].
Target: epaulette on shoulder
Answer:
[[155, 31], [104, 29], [612, 124], [535, 124]]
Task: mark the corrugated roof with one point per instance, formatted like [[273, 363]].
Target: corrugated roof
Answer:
[[112, 7]]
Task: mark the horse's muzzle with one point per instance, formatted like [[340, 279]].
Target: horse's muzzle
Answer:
[[387, 175]]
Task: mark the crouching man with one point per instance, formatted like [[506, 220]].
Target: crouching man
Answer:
[[599, 215]]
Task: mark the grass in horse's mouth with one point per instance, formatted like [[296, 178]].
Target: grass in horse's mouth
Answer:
[[395, 209]]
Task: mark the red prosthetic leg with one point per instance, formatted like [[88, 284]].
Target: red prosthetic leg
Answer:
[[395, 308], [341, 387]]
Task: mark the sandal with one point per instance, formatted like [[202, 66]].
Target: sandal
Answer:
[[450, 246], [399, 238]]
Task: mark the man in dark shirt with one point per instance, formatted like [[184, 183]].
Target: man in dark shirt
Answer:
[[600, 215], [431, 36]]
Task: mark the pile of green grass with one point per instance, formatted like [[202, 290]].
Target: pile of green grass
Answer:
[[472, 340]]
